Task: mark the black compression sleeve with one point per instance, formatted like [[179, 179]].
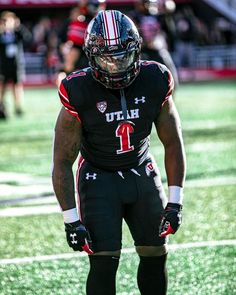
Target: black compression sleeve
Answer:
[[102, 275]]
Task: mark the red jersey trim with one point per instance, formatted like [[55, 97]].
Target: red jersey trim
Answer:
[[66, 103], [170, 88], [80, 164]]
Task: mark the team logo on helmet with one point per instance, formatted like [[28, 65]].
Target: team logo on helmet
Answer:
[[102, 106]]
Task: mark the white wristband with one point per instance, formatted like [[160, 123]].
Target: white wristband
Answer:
[[70, 215], [175, 194]]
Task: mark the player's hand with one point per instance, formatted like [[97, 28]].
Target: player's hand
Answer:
[[78, 237], [171, 219]]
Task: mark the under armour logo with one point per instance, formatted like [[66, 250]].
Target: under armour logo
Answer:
[[138, 100], [93, 176], [73, 241]]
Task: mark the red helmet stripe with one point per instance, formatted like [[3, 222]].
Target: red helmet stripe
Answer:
[[110, 27], [106, 33], [115, 27]]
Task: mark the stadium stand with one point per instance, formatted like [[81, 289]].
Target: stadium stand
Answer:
[[214, 45]]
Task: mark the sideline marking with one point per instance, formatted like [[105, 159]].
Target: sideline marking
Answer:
[[173, 247]]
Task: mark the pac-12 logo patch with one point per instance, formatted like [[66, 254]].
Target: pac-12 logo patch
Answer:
[[149, 168], [102, 106]]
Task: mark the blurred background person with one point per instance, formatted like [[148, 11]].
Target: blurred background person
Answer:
[[13, 35], [71, 35], [41, 31], [186, 37], [52, 56], [148, 15]]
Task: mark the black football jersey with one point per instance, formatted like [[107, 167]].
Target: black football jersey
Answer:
[[115, 137]]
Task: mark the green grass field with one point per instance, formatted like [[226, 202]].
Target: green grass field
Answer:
[[208, 113]]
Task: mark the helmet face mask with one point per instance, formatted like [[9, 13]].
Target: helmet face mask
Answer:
[[113, 45], [115, 63]]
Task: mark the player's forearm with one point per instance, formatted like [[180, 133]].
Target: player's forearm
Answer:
[[63, 184], [175, 164]]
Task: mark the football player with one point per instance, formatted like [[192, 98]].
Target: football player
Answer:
[[13, 37], [71, 35], [108, 112]]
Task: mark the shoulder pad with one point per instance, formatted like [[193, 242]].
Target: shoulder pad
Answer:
[[79, 73]]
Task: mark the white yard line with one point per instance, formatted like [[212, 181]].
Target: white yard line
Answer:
[[23, 178], [26, 190], [207, 182], [37, 189], [47, 209], [29, 210], [173, 247]]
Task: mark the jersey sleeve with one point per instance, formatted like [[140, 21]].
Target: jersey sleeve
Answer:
[[63, 94], [170, 86]]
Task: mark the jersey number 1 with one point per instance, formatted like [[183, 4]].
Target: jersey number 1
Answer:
[[123, 131]]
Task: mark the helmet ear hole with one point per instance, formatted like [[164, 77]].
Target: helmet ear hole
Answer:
[[113, 46]]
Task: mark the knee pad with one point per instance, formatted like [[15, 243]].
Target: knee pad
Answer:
[[152, 251]]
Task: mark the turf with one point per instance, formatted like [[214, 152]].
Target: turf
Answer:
[[191, 272], [208, 113], [26, 143], [44, 234]]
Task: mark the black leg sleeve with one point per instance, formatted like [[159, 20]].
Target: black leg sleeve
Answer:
[[102, 275], [152, 275]]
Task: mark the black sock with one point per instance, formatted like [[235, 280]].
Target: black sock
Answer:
[[102, 275], [152, 275]]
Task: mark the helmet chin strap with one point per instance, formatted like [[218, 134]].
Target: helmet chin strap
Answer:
[[124, 108], [123, 103]]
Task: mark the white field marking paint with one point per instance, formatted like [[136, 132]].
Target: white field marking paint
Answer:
[[29, 201], [174, 247], [25, 190], [25, 180], [30, 210], [42, 186], [205, 182], [47, 209]]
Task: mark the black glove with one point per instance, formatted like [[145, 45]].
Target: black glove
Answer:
[[171, 219], [78, 237]]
